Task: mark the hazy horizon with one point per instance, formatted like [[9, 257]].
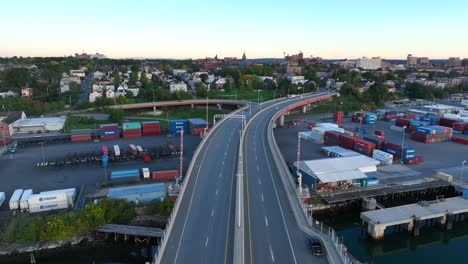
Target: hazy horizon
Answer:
[[334, 29]]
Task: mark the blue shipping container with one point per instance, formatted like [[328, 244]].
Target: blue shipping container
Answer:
[[392, 151], [125, 174], [465, 194], [109, 132]]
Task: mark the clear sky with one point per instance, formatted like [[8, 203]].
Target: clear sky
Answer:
[[261, 28]]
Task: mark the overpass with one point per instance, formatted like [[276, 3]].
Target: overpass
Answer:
[[152, 105]]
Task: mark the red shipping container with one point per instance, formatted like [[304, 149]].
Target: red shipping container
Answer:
[[106, 137], [164, 175], [333, 134], [112, 127], [132, 136], [394, 146], [401, 122], [347, 142], [364, 144], [410, 116], [147, 158], [151, 133], [80, 138], [460, 126], [460, 140], [379, 133], [447, 122]]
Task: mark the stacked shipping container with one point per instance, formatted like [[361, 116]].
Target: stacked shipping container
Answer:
[[338, 117], [80, 135], [332, 138], [364, 147], [196, 126], [432, 134], [109, 131], [398, 151], [152, 128], [131, 130], [366, 118]]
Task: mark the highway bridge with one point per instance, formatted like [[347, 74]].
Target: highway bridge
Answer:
[[201, 229]]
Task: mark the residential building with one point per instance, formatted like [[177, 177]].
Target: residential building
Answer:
[[42, 124], [373, 63], [347, 64], [97, 56], [99, 75], [7, 94], [411, 60], [94, 95], [8, 120], [423, 60], [78, 73], [178, 72], [27, 92], [454, 62], [66, 80], [293, 69], [134, 90], [295, 58], [82, 56], [177, 87]]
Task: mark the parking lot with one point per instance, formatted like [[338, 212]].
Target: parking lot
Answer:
[[445, 156], [18, 170]]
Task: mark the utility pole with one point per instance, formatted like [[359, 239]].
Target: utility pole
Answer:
[[181, 156], [207, 113], [298, 172]]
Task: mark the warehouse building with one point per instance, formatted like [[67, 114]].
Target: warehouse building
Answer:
[[330, 174], [43, 124]]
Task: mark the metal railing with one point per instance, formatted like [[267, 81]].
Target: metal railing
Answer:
[[287, 178], [183, 185]]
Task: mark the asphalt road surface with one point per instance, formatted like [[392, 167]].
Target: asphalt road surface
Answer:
[[272, 234]]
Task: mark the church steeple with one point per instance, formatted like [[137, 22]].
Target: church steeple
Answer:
[[244, 57]]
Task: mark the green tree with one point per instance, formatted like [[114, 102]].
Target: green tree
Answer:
[[116, 77], [133, 78], [378, 93], [116, 115], [201, 90]]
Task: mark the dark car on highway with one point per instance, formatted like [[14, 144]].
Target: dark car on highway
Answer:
[[316, 247]]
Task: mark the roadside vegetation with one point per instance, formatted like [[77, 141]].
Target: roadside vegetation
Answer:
[[27, 229]]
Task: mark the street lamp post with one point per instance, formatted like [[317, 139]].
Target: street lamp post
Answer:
[[403, 144], [461, 172]]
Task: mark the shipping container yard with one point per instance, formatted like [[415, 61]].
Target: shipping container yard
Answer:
[[402, 159], [40, 168]]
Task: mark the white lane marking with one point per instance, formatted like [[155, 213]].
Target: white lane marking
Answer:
[[258, 169], [259, 181], [206, 242], [223, 163], [256, 158], [225, 153], [272, 257], [266, 221], [212, 212], [262, 198], [217, 191], [279, 203]]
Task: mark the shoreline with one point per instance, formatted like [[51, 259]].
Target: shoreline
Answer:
[[10, 249]]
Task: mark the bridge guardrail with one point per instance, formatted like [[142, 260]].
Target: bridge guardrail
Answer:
[[315, 225]]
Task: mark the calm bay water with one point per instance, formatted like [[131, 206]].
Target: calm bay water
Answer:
[[434, 245]]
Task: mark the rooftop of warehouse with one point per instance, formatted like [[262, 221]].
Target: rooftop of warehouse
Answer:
[[143, 188], [341, 151], [41, 121], [439, 106], [338, 169]]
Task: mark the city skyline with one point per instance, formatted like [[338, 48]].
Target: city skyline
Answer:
[[263, 29]]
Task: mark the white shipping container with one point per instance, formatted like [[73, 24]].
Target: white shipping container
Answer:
[[397, 128], [15, 199], [47, 207], [24, 205], [46, 198], [381, 155], [71, 193], [2, 198], [116, 150], [326, 125]]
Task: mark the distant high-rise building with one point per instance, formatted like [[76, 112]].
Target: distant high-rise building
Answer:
[[454, 62], [411, 60], [369, 63], [244, 58], [423, 60]]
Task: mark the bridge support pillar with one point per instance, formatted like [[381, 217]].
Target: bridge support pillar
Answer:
[[304, 109], [443, 220], [281, 120], [192, 106], [376, 231], [219, 106], [416, 227], [449, 222]]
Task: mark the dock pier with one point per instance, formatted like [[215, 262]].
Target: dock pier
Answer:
[[412, 216]]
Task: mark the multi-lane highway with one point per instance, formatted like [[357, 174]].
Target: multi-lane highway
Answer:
[[204, 225], [271, 234]]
